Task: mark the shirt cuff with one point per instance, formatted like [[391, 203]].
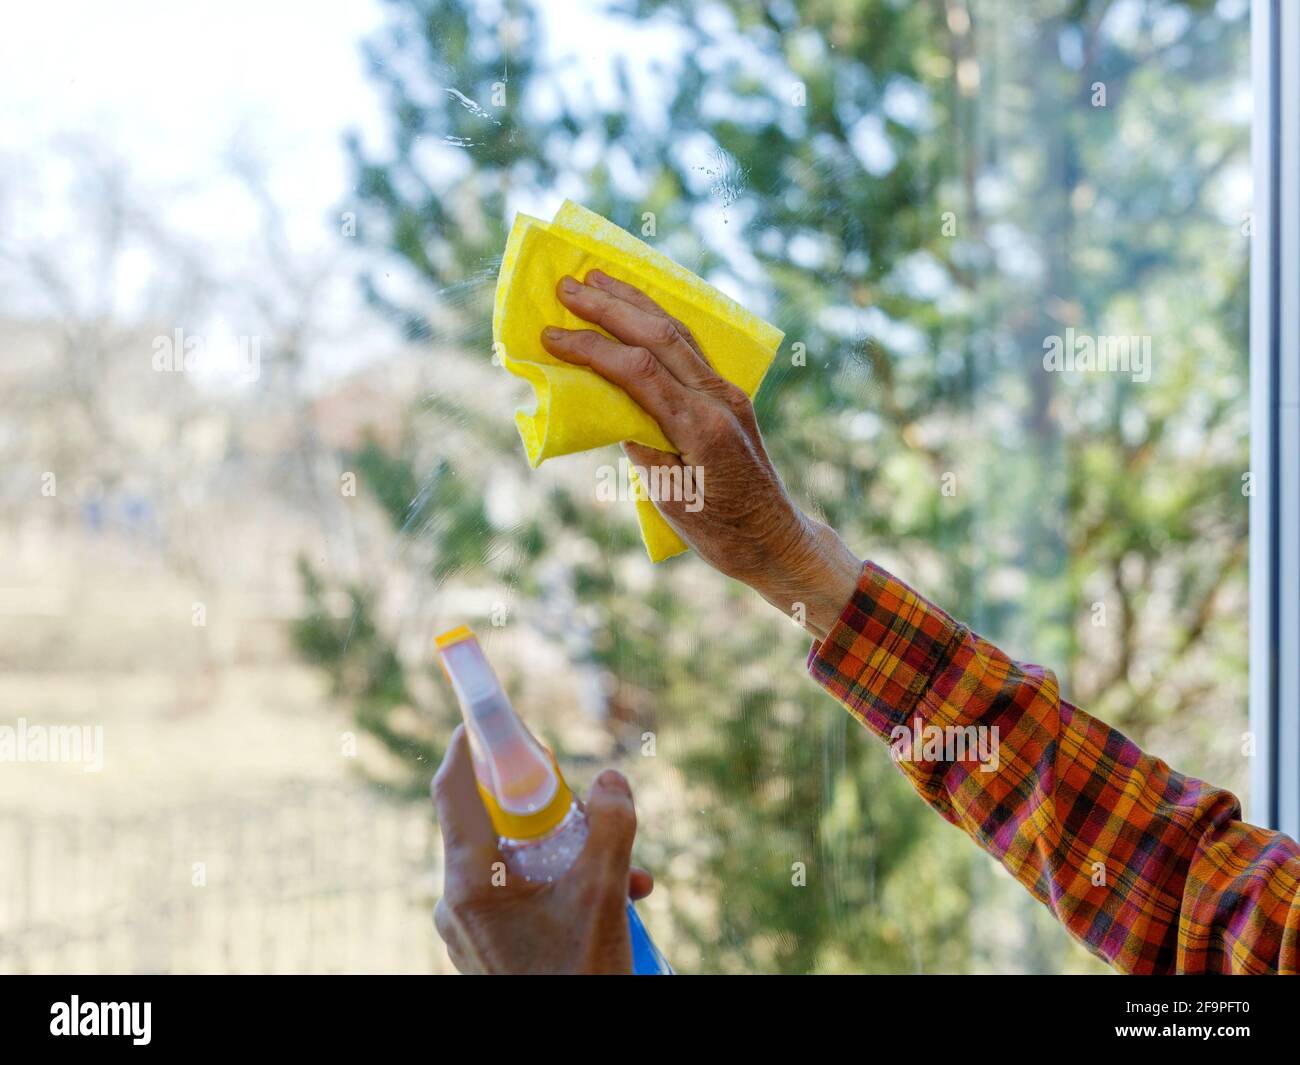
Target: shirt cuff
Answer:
[[884, 651]]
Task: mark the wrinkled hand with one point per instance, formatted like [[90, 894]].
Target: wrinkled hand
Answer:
[[578, 924], [747, 526]]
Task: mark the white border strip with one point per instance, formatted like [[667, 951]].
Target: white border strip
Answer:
[[1275, 417]]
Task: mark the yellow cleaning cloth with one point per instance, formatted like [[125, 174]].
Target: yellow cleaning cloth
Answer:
[[575, 409]]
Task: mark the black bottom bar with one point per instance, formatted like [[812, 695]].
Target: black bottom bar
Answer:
[[339, 1014]]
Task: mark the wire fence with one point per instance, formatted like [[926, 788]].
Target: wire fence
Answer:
[[313, 881]]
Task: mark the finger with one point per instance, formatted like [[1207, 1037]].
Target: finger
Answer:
[[445, 924], [460, 958], [636, 327], [611, 827], [467, 833], [646, 457], [639, 883], [634, 296], [634, 369], [447, 930], [671, 490]]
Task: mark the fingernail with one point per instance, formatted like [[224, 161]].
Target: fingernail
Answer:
[[596, 277], [614, 780], [553, 332], [569, 285]]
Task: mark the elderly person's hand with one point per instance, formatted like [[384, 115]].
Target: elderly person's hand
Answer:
[[748, 527], [578, 924]]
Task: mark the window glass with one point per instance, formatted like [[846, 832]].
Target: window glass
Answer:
[[260, 452]]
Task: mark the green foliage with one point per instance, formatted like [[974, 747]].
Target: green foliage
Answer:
[[364, 669]]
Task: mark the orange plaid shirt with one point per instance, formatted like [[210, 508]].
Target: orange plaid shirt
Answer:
[[1151, 870]]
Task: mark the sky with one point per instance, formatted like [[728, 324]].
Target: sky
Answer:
[[169, 84], [167, 91]]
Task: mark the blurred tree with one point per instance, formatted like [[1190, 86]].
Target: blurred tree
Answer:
[[919, 194]]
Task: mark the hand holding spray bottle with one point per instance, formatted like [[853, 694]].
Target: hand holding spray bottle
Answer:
[[541, 825]]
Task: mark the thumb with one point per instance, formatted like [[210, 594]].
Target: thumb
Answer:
[[611, 826], [643, 455]]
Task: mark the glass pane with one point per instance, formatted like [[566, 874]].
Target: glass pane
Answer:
[[261, 453]]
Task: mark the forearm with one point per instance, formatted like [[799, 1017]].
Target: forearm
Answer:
[[1150, 869]]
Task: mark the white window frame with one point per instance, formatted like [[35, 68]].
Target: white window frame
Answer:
[[1275, 417]]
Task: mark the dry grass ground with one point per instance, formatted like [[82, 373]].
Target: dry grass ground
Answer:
[[226, 829]]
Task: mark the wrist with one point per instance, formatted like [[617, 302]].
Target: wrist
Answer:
[[813, 579]]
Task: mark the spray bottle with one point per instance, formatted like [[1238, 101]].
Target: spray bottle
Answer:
[[541, 825]]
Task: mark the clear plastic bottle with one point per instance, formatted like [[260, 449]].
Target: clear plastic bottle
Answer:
[[542, 827]]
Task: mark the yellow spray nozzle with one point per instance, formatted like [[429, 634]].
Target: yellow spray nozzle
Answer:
[[518, 778]]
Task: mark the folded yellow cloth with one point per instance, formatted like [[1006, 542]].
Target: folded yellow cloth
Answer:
[[575, 409]]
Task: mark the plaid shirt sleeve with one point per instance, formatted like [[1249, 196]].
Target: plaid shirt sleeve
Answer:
[[1151, 870]]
